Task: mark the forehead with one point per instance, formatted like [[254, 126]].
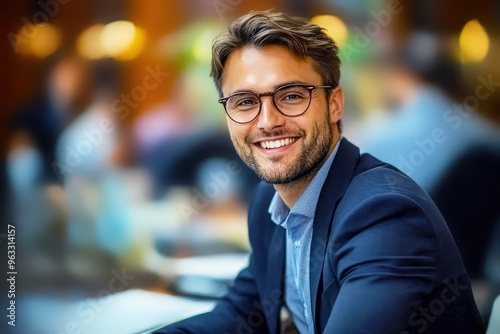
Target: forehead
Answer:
[[266, 68]]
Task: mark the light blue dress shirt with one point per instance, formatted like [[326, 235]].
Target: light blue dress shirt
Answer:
[[298, 223]]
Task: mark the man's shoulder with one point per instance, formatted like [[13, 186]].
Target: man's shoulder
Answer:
[[373, 177], [382, 189], [383, 185]]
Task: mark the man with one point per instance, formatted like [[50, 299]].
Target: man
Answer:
[[343, 242]]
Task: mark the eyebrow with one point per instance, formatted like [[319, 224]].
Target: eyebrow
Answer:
[[294, 82]]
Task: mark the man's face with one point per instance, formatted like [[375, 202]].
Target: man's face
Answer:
[[300, 144]]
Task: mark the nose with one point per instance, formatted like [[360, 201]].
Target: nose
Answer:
[[269, 117]]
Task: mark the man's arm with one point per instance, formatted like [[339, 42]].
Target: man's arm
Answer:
[[385, 260]]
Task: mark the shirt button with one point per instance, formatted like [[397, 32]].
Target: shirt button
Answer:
[[297, 243]]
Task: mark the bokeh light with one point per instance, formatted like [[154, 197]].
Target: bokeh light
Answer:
[[89, 42], [40, 40], [122, 40], [335, 27], [474, 42]]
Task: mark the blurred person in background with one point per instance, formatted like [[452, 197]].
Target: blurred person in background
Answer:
[[421, 115], [37, 125], [438, 140], [37, 203], [343, 242], [88, 164]]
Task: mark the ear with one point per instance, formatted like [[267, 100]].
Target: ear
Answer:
[[336, 104]]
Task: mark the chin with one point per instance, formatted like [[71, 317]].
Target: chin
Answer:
[[270, 176]]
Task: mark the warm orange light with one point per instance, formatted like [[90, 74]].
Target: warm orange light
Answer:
[[40, 40]]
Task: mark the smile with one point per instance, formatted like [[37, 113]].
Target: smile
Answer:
[[277, 143]]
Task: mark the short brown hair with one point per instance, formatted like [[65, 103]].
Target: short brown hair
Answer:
[[265, 28]]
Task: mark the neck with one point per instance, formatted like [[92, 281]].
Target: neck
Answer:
[[290, 192]]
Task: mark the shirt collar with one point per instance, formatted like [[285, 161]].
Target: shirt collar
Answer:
[[308, 200]]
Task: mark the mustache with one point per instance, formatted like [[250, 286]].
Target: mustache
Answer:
[[263, 134]]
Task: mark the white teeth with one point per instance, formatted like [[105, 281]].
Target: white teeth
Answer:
[[277, 143]]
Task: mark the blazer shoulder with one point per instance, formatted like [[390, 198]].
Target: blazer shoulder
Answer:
[[385, 197], [374, 177], [385, 184]]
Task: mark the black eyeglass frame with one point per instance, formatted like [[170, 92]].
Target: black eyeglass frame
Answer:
[[310, 88]]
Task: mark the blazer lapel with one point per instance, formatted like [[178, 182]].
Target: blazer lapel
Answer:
[[336, 183]]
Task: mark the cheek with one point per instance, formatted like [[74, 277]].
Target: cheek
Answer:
[[315, 104], [237, 132], [309, 125]]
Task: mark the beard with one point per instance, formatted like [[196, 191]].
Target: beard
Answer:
[[313, 153]]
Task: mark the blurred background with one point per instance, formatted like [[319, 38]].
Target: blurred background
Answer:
[[128, 200]]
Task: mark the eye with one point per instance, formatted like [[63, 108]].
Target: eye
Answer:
[[246, 102], [292, 96], [243, 102]]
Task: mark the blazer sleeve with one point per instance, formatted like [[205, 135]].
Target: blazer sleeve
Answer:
[[384, 258]]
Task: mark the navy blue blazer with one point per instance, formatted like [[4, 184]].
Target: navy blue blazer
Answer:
[[382, 261]]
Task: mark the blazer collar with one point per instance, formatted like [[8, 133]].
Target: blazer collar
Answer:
[[338, 179]]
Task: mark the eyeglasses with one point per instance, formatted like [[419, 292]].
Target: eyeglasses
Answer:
[[291, 100]]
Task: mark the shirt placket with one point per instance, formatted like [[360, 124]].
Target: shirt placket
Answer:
[[298, 259]]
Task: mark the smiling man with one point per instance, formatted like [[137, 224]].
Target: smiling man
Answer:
[[341, 241], [276, 138]]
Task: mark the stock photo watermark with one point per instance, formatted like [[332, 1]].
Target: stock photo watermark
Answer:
[[454, 118], [221, 7], [256, 318], [11, 275], [219, 181], [437, 306], [372, 29], [88, 310], [121, 108], [49, 9]]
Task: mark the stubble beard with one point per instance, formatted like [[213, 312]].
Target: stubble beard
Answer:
[[314, 152]]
